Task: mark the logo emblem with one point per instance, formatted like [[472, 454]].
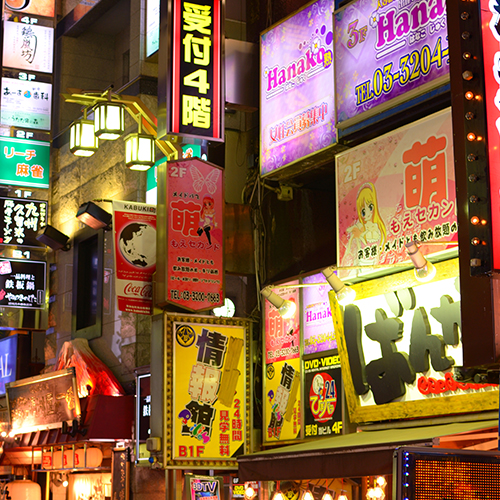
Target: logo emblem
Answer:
[[185, 335]]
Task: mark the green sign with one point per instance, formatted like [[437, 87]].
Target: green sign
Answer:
[[24, 162]]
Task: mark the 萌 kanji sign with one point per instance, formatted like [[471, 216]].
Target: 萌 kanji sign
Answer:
[[394, 189], [24, 162]]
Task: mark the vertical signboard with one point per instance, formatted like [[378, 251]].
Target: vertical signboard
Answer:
[[196, 102], [282, 419], [297, 88], [120, 474], [394, 189], [195, 234], [134, 227], [387, 52], [20, 219], [209, 414], [8, 361], [25, 162]]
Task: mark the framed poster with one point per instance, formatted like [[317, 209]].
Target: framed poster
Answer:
[[386, 53], [208, 376], [297, 87]]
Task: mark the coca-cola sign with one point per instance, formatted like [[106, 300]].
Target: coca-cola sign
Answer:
[[134, 226]]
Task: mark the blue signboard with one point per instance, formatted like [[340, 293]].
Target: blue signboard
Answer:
[[8, 361]]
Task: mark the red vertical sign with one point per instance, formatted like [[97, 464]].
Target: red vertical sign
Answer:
[[195, 250]]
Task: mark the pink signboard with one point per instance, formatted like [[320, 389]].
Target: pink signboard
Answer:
[[490, 22], [387, 52], [282, 335], [195, 234], [396, 188], [134, 227], [297, 101], [317, 320]]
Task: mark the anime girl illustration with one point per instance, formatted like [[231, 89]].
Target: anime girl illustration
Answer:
[[368, 234], [207, 218]]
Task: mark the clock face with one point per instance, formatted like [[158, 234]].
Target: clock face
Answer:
[[227, 310]]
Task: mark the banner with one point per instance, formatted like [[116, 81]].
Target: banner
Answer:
[[396, 188], [195, 234], [134, 226], [297, 87], [387, 52], [209, 396]]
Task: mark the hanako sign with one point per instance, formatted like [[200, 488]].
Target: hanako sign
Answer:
[[196, 71], [400, 342], [20, 219], [25, 162], [44, 401], [209, 387], [134, 227], [195, 234], [387, 52], [396, 188]]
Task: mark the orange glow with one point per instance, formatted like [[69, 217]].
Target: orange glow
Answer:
[[469, 95], [471, 136], [474, 220]]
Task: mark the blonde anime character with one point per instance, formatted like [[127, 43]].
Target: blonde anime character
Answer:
[[369, 230]]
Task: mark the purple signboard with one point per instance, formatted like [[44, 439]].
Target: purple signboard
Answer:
[[297, 99], [317, 316], [387, 52]]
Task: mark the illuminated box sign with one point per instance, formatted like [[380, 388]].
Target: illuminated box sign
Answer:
[[22, 284], [44, 8], [297, 105], [387, 52], [24, 162], [25, 104], [43, 402], [491, 48], [322, 396], [210, 402], [28, 46], [429, 473], [20, 219], [204, 487], [8, 361], [195, 234], [152, 26], [317, 324], [402, 347], [396, 188], [196, 106]]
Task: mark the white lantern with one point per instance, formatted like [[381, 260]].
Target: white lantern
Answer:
[[82, 140], [139, 151], [24, 489], [109, 120]]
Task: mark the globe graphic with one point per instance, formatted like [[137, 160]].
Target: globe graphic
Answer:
[[137, 243]]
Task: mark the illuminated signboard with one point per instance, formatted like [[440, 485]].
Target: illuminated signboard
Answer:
[[318, 333], [36, 7], [400, 342], [491, 54], [322, 396], [134, 227], [297, 105], [8, 361], [196, 100], [204, 487], [429, 473], [25, 104], [22, 284], [195, 234], [396, 188], [25, 162], [152, 26], [28, 46], [20, 219], [210, 380], [282, 379], [387, 52], [143, 415]]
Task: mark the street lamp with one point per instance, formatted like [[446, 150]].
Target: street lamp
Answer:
[[82, 140]]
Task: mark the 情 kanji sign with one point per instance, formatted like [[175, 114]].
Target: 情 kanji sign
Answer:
[[209, 407], [195, 236], [196, 102], [402, 346], [20, 219], [396, 188], [24, 162]]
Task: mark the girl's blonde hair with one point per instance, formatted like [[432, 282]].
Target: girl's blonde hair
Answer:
[[367, 195]]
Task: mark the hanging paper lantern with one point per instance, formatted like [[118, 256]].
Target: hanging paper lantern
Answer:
[[24, 489]]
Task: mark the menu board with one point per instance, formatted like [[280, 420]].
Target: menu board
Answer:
[[25, 104]]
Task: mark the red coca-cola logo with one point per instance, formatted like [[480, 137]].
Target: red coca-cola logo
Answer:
[[145, 291]]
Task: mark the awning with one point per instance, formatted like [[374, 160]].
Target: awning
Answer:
[[366, 453]]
